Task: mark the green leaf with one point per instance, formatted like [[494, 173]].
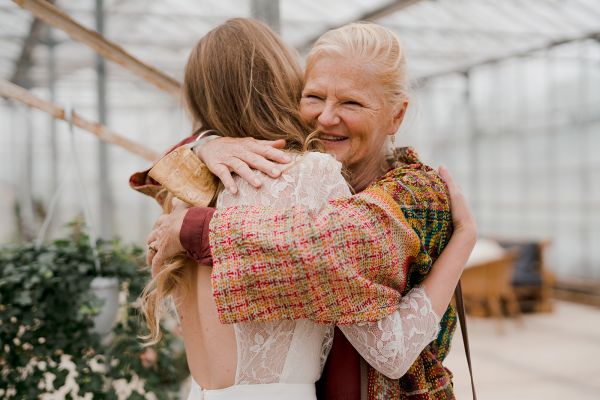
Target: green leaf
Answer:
[[23, 298]]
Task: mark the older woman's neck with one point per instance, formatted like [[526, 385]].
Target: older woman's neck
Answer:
[[365, 173]]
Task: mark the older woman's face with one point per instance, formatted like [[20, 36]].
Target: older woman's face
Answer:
[[344, 101]]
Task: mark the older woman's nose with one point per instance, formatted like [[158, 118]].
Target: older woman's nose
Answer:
[[329, 116]]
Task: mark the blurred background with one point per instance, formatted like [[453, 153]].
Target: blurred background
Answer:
[[505, 93]]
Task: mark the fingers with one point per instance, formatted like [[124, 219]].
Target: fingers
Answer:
[[152, 241], [462, 216], [278, 144], [152, 237], [447, 178], [444, 173], [159, 221], [260, 163], [155, 254], [163, 242], [457, 198], [263, 156], [243, 170], [271, 150], [179, 204], [224, 175], [157, 230], [157, 263], [226, 155], [150, 256], [214, 153], [454, 190]]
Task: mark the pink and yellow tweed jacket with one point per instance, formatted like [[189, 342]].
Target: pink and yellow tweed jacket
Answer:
[[349, 263]]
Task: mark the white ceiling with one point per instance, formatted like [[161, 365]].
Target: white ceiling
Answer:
[[440, 36]]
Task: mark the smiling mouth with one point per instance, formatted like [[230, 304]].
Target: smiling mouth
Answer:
[[331, 138]]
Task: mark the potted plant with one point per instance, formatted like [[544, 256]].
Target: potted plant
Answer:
[[106, 290], [46, 325]]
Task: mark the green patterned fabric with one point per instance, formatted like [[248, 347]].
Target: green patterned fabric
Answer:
[[419, 197]]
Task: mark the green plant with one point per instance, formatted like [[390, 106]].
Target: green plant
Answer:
[[46, 311]]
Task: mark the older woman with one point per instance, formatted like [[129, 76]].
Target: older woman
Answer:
[[350, 262]]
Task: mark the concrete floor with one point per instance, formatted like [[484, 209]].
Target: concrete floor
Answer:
[[546, 357]]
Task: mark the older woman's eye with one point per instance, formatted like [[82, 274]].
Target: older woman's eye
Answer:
[[311, 96], [352, 103]]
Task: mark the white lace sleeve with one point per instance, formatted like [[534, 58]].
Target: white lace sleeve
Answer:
[[391, 344]]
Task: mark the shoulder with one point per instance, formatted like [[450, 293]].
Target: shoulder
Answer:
[[318, 177], [319, 156], [314, 168], [319, 162], [416, 184], [309, 181]]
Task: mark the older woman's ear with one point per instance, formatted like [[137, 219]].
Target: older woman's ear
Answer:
[[398, 117]]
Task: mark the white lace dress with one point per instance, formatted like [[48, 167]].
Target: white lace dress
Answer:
[[283, 359]]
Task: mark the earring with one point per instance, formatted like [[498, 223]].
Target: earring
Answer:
[[393, 139]]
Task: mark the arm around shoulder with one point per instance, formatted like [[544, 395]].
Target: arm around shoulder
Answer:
[[344, 264]]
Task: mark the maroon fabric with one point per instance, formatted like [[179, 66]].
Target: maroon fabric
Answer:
[[341, 375], [194, 234]]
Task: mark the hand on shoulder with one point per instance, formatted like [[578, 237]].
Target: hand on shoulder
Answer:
[[462, 215], [225, 155]]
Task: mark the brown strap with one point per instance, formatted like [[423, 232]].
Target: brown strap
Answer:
[[460, 307]]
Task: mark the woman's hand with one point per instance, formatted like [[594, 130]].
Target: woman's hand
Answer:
[[445, 273], [240, 155], [462, 216], [163, 242]]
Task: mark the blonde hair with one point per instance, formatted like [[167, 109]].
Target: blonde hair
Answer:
[[163, 284], [240, 80], [372, 45]]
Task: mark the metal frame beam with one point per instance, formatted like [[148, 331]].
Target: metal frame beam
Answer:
[[22, 65], [109, 50], [373, 15], [267, 11], [521, 53], [488, 33], [105, 196], [15, 92]]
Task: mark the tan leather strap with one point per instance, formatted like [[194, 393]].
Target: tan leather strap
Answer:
[[460, 307]]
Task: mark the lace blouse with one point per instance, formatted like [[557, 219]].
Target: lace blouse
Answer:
[[294, 351]]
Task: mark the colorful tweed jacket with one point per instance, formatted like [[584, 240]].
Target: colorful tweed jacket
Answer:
[[349, 263]]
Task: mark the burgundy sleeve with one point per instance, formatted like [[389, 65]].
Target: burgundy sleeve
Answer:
[[194, 234], [341, 376]]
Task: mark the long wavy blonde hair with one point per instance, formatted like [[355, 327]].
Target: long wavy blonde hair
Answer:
[[240, 80]]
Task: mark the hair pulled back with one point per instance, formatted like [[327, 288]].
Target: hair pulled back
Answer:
[[376, 47]]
